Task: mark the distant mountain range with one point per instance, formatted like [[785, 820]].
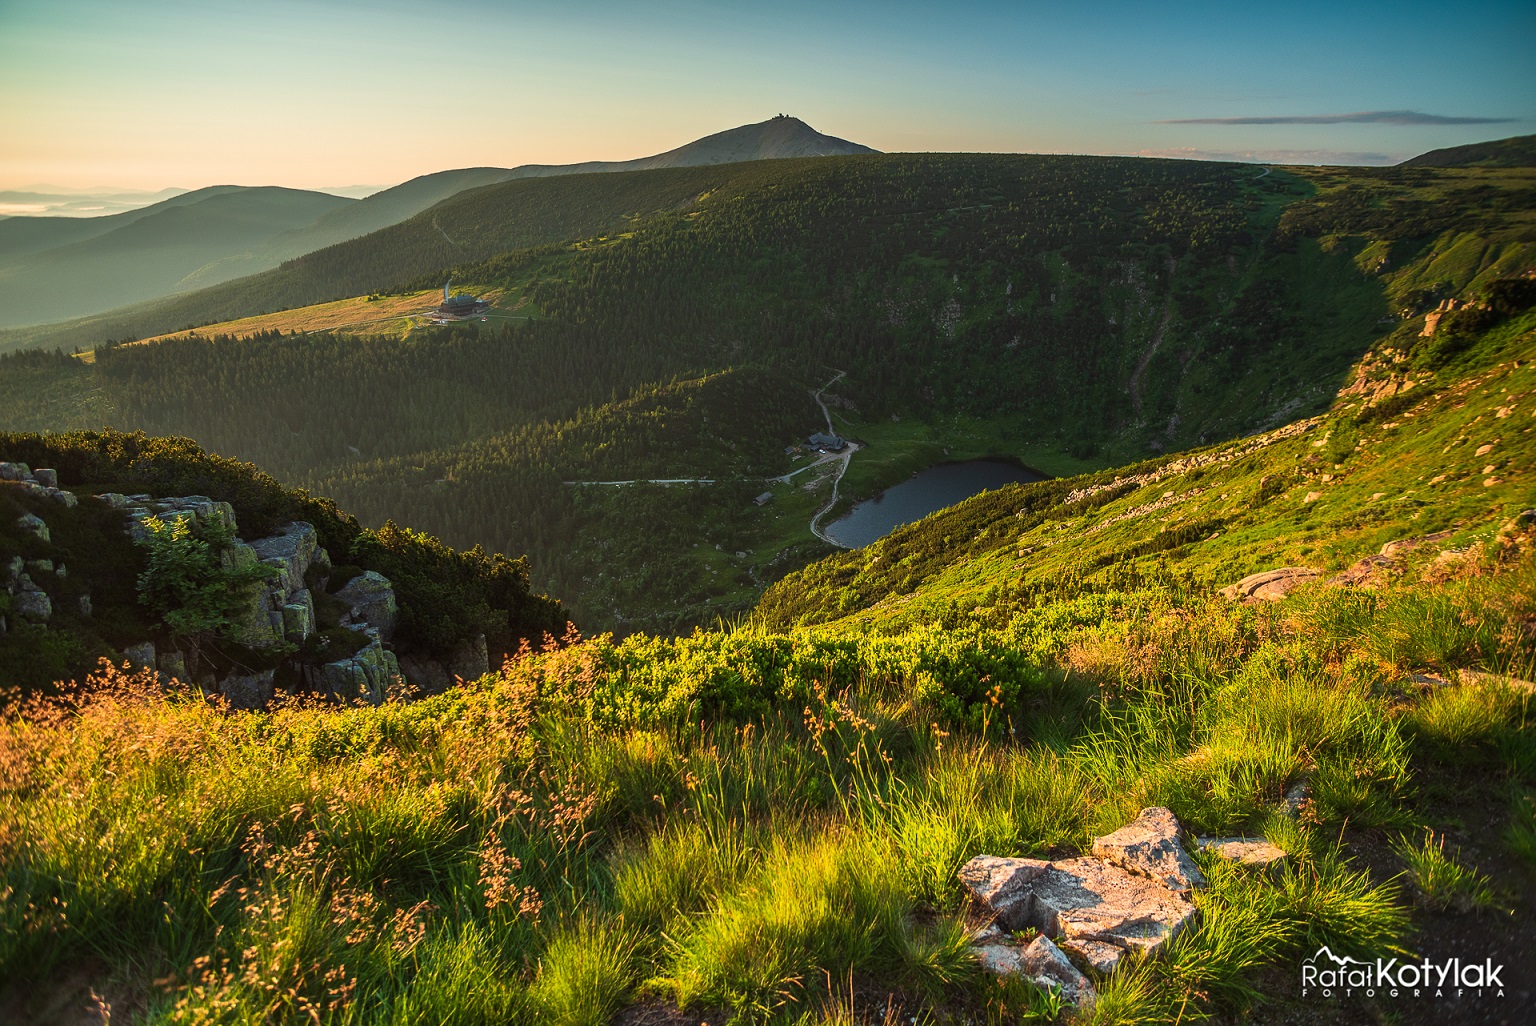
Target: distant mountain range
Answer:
[[56, 268]]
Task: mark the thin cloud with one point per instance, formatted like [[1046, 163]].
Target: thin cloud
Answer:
[[1366, 117], [1334, 157]]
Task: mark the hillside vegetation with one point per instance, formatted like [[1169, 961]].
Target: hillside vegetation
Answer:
[[763, 823], [232, 232], [1074, 312], [54, 271]]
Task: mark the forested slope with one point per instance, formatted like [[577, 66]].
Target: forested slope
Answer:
[[1098, 308]]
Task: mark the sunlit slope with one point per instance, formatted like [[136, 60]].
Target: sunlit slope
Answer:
[[1433, 434]]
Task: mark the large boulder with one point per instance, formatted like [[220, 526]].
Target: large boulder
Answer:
[[32, 603], [371, 599], [46, 477], [1149, 845], [1082, 899], [366, 674], [248, 690], [1269, 586], [425, 673], [29, 523], [1001, 886]]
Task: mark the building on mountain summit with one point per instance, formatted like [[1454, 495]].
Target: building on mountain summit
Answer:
[[460, 307]]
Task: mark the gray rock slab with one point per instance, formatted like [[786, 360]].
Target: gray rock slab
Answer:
[[1090, 899], [1102, 956], [33, 605], [1149, 845], [295, 545]]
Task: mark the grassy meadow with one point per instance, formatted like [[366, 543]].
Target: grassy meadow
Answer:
[[761, 826]]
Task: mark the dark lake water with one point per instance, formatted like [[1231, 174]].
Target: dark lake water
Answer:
[[931, 490]]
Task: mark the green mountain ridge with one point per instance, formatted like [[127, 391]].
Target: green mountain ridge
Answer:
[[1070, 312], [242, 253]]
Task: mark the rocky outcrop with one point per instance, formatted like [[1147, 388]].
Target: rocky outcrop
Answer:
[[371, 600], [281, 609], [1370, 572], [1149, 845], [470, 660], [1132, 895], [1198, 461], [1270, 585], [367, 674], [248, 690], [42, 482]]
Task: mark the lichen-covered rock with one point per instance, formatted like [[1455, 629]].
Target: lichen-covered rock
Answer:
[[367, 674], [1102, 956], [47, 477], [251, 625], [1269, 586], [141, 656], [15, 472], [371, 598], [298, 621], [248, 691], [1090, 899], [1042, 963], [33, 604], [63, 498], [1149, 845], [295, 545], [29, 523], [1254, 852]]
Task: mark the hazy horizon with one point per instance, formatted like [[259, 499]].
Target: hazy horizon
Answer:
[[306, 95]]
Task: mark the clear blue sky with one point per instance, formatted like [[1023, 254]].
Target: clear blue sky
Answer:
[[155, 93]]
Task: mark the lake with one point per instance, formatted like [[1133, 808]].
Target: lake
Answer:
[[931, 490]]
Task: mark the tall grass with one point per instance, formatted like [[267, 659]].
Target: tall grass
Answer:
[[516, 852]]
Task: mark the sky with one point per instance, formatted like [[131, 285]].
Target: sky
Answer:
[[333, 94]]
